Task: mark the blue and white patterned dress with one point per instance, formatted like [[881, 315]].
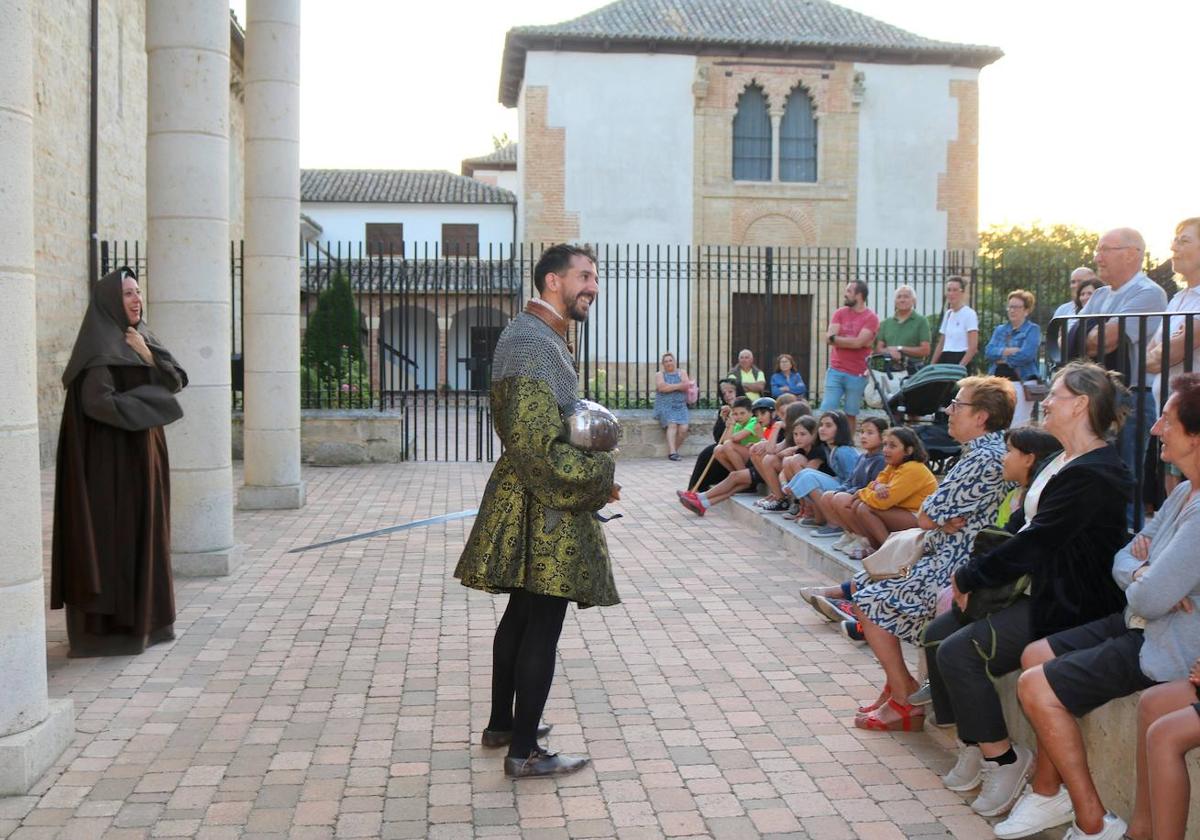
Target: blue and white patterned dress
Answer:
[[671, 407], [973, 489]]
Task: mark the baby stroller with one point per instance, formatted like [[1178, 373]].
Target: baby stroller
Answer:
[[923, 395]]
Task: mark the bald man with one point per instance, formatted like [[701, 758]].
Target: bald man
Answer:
[[1077, 276], [1120, 254]]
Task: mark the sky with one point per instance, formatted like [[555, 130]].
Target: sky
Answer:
[[1090, 119]]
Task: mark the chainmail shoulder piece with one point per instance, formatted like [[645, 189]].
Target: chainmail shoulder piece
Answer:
[[529, 347]]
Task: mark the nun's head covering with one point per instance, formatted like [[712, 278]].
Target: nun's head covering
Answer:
[[101, 338]]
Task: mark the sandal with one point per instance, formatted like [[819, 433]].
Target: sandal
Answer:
[[884, 696], [911, 718]]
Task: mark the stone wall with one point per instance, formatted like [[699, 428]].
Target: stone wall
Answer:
[[62, 56], [337, 438]]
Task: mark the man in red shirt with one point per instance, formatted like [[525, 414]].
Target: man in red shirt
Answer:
[[851, 334]]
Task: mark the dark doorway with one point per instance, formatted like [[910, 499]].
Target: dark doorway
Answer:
[[479, 362], [770, 324]]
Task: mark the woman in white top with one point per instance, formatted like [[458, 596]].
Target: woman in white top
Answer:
[[958, 334]]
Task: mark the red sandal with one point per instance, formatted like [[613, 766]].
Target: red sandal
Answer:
[[912, 718], [884, 696]]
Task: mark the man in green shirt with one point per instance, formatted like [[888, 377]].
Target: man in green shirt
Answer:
[[905, 336]]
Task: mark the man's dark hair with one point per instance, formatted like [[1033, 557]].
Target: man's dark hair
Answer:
[[959, 279], [556, 260], [860, 286], [742, 402]]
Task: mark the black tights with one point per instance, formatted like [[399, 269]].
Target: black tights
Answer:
[[523, 665]]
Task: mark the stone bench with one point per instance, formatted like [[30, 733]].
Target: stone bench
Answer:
[[1110, 732]]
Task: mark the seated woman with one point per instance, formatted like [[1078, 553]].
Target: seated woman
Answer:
[[729, 390], [869, 465], [892, 501], [1072, 526], [767, 457], [746, 431], [1029, 450], [807, 485], [1155, 639], [786, 379], [896, 609]]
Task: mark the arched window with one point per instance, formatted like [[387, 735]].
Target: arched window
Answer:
[[752, 137], [798, 139]]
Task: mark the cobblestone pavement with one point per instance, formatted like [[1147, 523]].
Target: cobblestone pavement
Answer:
[[341, 692]]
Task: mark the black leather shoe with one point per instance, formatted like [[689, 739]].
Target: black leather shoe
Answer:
[[503, 737], [541, 763]]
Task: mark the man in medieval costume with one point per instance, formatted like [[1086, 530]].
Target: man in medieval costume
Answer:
[[537, 537]]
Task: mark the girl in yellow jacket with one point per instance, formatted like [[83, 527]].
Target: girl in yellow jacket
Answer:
[[892, 501]]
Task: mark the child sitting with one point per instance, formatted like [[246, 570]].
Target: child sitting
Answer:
[[833, 430], [767, 458], [870, 462], [892, 502], [734, 453]]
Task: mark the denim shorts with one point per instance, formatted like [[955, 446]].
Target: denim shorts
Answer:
[[839, 384]]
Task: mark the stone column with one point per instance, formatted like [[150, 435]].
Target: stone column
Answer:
[[187, 210], [33, 729], [776, 122], [271, 337]]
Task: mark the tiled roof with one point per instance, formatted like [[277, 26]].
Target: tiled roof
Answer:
[[397, 275], [398, 186], [506, 154], [735, 26]]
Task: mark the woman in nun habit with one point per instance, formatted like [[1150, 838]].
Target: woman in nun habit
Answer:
[[111, 563]]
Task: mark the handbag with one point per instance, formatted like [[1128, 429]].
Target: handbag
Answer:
[[1035, 391], [693, 392], [986, 600], [896, 557]]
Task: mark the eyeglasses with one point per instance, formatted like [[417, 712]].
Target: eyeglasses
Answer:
[[1016, 306], [955, 404], [1104, 249]]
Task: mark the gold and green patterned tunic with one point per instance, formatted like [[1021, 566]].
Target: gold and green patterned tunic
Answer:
[[535, 529]]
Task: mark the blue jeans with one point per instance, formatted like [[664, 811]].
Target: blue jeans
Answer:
[[806, 481], [1131, 447], [839, 384]]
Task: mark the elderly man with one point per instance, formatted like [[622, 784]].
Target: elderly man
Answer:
[[851, 335], [905, 336], [1077, 276], [753, 382], [1119, 257]]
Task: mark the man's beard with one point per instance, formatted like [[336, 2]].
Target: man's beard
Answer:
[[848, 302], [574, 311]]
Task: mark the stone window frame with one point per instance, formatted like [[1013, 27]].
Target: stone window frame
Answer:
[[777, 88]]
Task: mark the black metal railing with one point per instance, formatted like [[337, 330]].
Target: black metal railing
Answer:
[[413, 332]]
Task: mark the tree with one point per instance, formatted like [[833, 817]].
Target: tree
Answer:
[[1036, 258], [333, 330]]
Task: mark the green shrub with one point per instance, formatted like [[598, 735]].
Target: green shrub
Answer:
[[333, 330], [344, 383]]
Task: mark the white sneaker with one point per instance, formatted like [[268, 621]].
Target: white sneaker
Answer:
[[1114, 829], [966, 772], [1034, 812], [1002, 783], [848, 539]]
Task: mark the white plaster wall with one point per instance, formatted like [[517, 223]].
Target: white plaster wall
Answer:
[[504, 178], [906, 118], [628, 160], [629, 140], [346, 222]]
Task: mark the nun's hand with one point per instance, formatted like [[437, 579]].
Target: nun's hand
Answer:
[[138, 344]]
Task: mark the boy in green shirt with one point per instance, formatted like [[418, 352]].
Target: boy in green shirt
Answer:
[[734, 453]]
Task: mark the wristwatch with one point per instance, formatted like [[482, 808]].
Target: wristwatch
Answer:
[[833, 339]]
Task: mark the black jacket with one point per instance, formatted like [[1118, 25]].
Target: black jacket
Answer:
[[1068, 548]]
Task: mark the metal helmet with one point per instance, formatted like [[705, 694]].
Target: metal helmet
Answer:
[[767, 403], [591, 426]]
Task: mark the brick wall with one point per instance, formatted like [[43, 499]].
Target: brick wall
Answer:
[[543, 150], [958, 187]]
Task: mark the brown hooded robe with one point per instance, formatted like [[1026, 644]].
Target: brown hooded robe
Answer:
[[111, 557]]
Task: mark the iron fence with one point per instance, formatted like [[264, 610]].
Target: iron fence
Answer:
[[412, 333]]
